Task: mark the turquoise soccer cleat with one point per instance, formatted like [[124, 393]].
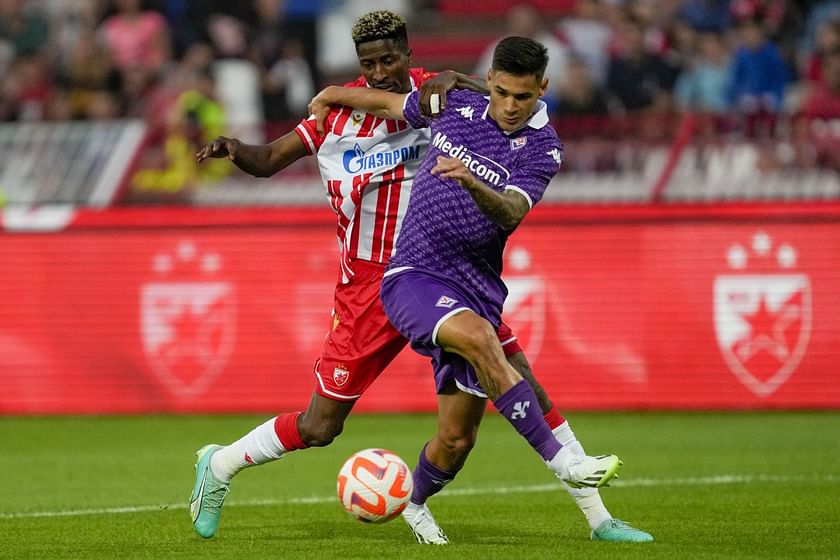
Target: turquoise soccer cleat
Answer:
[[208, 494], [616, 530]]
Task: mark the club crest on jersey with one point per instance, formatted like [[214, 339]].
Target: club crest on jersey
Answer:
[[340, 375], [762, 313], [516, 143], [357, 160], [446, 301]]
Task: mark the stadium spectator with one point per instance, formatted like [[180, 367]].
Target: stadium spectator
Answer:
[[302, 24], [827, 39], [579, 94], [819, 12], [823, 100], [136, 37], [187, 19], [84, 68], [816, 135], [290, 75], [23, 27], [758, 79], [287, 83], [449, 252], [190, 120], [588, 35], [704, 85], [70, 20], [361, 342], [267, 35], [680, 42], [525, 20], [706, 15], [782, 22], [26, 89], [237, 76], [638, 79]]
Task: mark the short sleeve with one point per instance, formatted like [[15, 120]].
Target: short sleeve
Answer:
[[535, 169], [411, 111], [307, 130]]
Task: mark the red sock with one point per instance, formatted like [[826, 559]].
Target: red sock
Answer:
[[553, 418], [285, 426]]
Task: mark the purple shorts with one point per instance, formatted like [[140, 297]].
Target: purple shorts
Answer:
[[418, 302]]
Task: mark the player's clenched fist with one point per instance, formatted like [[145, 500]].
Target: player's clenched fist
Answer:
[[219, 148]]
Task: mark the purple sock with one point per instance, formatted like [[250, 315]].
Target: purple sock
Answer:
[[521, 408], [428, 479]]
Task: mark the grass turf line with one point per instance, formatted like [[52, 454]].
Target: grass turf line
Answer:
[[787, 505]]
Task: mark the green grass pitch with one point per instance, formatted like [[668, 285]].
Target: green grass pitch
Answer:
[[707, 485]]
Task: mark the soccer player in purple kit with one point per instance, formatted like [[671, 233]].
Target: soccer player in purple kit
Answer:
[[489, 161]]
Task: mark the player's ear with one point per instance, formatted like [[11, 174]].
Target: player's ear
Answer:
[[543, 87], [489, 77]]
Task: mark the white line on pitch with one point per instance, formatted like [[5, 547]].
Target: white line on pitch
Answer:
[[524, 489]]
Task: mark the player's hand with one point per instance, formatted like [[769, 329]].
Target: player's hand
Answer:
[[219, 148], [437, 86], [319, 108], [454, 168]]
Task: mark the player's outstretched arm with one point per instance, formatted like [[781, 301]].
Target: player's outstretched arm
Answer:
[[506, 208], [259, 160], [440, 84], [381, 103]]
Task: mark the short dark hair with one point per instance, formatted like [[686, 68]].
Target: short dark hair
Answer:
[[381, 24], [520, 56]]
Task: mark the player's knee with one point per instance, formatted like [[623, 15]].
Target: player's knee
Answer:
[[458, 444], [319, 432], [478, 343]]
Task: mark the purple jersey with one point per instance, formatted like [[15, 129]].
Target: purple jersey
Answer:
[[444, 231]]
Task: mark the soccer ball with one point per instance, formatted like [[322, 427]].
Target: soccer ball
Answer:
[[374, 485]]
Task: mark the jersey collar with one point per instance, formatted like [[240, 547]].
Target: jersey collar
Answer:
[[537, 120]]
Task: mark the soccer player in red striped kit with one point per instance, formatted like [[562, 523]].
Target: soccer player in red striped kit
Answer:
[[367, 165]]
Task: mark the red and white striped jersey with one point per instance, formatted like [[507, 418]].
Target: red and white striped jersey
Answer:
[[367, 167]]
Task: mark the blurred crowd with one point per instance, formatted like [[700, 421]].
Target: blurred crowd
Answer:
[[259, 61], [103, 59]]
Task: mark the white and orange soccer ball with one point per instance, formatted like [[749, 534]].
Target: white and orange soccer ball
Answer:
[[374, 485]]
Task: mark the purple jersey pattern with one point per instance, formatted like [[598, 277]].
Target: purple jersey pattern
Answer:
[[444, 231]]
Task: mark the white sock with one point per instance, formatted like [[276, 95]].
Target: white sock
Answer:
[[258, 446], [588, 500]]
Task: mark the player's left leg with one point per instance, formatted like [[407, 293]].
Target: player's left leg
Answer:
[[459, 415], [588, 500]]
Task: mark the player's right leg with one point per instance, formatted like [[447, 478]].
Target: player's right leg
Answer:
[[474, 338], [604, 527], [436, 314], [360, 343], [459, 415], [217, 465]]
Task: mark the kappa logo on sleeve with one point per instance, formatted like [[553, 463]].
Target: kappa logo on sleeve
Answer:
[[557, 156], [446, 301], [466, 112]]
